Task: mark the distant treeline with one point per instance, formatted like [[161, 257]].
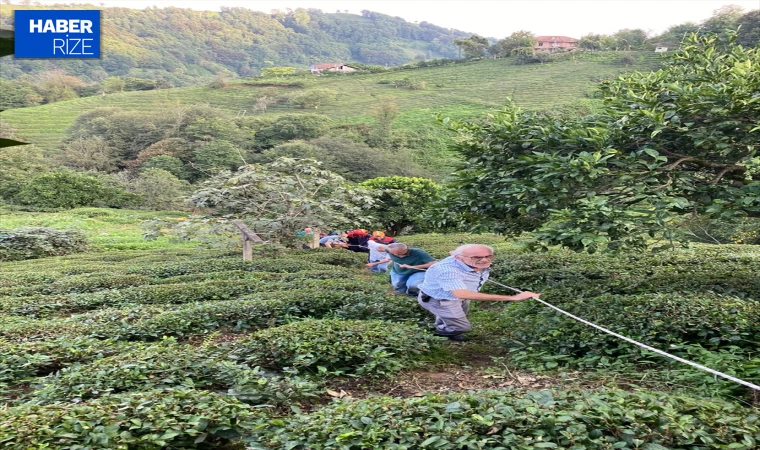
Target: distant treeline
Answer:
[[180, 45]]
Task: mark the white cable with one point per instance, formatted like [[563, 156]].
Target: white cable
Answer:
[[651, 349]]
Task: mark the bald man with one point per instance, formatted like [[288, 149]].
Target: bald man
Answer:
[[450, 284]]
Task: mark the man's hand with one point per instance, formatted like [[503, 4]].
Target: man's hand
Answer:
[[407, 266], [525, 295]]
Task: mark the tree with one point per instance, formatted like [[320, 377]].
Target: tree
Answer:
[[723, 19], [473, 46], [596, 42], [749, 33], [401, 202], [628, 39], [159, 190], [16, 94], [170, 164], [113, 84], [313, 98], [283, 197], [291, 126], [89, 154], [67, 189], [216, 156], [385, 112], [668, 146], [56, 85], [518, 39]]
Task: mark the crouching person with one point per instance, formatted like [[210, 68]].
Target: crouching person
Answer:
[[408, 269], [450, 284]]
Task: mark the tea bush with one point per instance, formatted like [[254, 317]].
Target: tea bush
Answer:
[[31, 243], [729, 270], [179, 419], [605, 419], [283, 265], [20, 361], [265, 311], [76, 284], [170, 365], [371, 348], [659, 320]]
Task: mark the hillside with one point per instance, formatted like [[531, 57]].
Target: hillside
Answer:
[[182, 45], [457, 90]]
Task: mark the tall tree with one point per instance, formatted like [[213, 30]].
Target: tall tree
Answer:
[[668, 146], [518, 39], [473, 46], [385, 112]]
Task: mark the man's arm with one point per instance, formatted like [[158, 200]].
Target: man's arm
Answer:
[[466, 294], [377, 263], [420, 266]]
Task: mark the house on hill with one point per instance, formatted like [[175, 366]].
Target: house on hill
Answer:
[[331, 67], [551, 44]]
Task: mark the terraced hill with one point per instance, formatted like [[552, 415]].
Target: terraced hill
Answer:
[[460, 90]]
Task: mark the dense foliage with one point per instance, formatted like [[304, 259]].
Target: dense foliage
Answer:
[[30, 243], [401, 202], [284, 197], [503, 419], [682, 140], [148, 420]]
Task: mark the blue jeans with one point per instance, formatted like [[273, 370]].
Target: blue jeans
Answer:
[[407, 284], [379, 268]]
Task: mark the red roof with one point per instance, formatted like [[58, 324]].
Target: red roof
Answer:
[[555, 39]]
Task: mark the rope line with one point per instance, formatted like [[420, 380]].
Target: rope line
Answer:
[[627, 339]]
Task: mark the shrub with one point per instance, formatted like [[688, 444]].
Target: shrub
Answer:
[[145, 420], [371, 348], [170, 365], [19, 361], [77, 284], [30, 243], [530, 420], [252, 312], [67, 189], [660, 320]]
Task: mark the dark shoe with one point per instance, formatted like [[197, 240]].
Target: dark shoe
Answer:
[[455, 338]]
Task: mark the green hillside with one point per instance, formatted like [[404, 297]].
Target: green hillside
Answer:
[[457, 90], [183, 46]]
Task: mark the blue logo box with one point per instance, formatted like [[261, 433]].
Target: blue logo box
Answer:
[[56, 34]]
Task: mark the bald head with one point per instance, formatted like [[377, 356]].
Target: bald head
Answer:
[[397, 249]]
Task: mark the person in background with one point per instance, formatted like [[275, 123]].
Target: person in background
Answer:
[[408, 267], [357, 240], [378, 258], [449, 286], [381, 238], [333, 240]]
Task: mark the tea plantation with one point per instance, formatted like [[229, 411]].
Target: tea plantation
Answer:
[[183, 348]]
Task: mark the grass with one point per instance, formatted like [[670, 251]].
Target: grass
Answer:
[[106, 229], [458, 91]]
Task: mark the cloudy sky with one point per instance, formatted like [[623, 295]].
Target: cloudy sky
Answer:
[[493, 18]]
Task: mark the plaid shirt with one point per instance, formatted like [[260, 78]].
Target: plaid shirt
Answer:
[[450, 274]]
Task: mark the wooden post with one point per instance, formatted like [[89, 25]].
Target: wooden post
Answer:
[[249, 237], [247, 249], [315, 238]]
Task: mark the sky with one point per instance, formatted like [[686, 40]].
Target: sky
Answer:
[[490, 18]]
